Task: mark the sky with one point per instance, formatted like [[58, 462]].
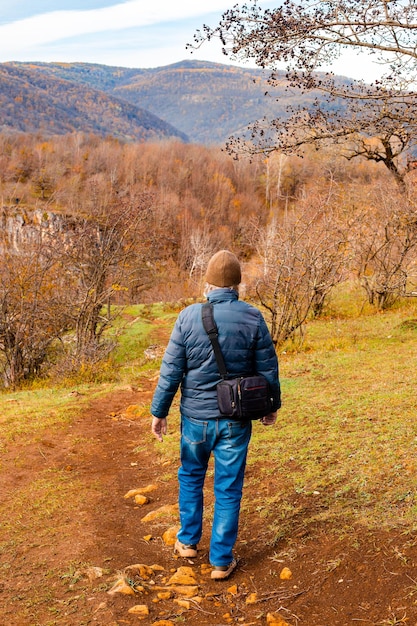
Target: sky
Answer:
[[126, 33]]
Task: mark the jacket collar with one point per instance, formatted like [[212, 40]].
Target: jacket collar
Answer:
[[222, 294]]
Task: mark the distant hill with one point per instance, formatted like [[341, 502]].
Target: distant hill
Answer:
[[206, 102], [33, 100]]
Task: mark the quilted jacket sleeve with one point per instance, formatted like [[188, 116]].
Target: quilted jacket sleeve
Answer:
[[266, 362], [172, 371]]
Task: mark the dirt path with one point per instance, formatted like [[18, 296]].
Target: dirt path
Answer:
[[63, 577]]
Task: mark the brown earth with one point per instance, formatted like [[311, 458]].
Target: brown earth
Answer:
[[361, 578]]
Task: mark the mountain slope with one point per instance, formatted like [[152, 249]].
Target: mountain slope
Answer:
[[206, 101], [32, 100]]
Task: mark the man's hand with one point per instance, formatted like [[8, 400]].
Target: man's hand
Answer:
[[159, 427], [270, 419]]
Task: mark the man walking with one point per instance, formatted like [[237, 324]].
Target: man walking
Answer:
[[189, 363]]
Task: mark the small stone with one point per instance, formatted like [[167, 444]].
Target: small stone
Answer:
[[252, 598], [232, 590], [170, 536], [273, 619], [93, 573], [138, 490], [184, 604], [132, 408], [141, 499], [149, 488], [121, 586], [205, 568], [131, 493], [140, 610], [187, 591], [168, 509], [157, 568], [143, 571], [286, 574], [165, 595], [183, 576]]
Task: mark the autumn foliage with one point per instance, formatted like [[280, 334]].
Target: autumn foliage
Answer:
[[89, 223]]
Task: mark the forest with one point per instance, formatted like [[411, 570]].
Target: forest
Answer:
[[90, 225]]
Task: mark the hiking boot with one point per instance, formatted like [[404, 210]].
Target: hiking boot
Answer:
[[223, 571], [189, 551]]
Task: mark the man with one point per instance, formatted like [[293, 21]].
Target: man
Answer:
[[189, 362]]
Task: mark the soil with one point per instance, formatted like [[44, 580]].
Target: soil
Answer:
[[360, 578]]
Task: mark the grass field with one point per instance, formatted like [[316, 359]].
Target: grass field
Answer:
[[346, 433]]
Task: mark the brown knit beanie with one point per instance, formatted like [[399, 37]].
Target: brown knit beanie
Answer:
[[223, 269]]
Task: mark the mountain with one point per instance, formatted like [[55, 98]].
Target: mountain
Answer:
[[206, 102], [32, 100]]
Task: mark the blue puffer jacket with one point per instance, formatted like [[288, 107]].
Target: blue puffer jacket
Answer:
[[189, 359]]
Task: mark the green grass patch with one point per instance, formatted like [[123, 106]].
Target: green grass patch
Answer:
[[27, 414], [142, 326], [31, 507], [344, 449], [43, 513]]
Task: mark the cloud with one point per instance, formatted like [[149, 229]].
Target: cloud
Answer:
[[60, 25], [150, 46], [134, 33]]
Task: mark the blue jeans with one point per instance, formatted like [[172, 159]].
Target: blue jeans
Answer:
[[228, 440]]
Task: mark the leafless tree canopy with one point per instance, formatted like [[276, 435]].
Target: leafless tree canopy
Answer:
[[385, 248], [375, 121], [307, 34], [304, 255]]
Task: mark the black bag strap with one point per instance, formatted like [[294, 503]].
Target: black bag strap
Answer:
[[211, 329]]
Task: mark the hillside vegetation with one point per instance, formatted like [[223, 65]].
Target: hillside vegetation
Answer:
[[88, 224], [206, 102], [103, 242], [32, 101]]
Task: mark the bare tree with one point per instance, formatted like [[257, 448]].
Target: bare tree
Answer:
[[385, 248], [199, 249], [33, 308], [105, 251], [303, 258], [59, 275], [376, 121]]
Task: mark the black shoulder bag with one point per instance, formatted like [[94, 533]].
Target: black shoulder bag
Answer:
[[246, 397]]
